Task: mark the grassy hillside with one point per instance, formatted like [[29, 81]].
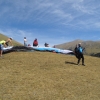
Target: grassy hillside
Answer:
[[48, 76], [90, 46], [3, 37], [69, 45]]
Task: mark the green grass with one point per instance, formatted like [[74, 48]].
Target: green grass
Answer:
[[48, 76]]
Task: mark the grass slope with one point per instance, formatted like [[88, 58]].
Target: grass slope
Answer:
[[15, 43], [91, 47], [48, 76]]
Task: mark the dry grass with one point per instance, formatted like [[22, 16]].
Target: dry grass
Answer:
[[15, 43], [48, 76]]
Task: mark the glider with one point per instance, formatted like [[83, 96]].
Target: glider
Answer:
[[33, 48]]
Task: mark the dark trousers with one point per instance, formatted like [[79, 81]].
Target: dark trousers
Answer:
[[80, 55], [34, 44]]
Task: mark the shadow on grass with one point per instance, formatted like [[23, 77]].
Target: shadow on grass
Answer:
[[66, 62]]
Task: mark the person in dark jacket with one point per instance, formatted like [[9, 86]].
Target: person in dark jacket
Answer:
[[35, 42], [46, 45], [80, 54]]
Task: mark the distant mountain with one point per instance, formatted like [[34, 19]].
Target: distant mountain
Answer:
[[15, 43], [91, 47]]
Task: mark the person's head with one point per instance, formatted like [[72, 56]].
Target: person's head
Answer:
[[79, 44], [76, 45], [29, 45], [35, 39], [24, 37], [10, 38]]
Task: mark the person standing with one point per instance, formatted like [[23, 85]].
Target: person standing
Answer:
[[1, 47], [25, 41], [80, 54], [1, 50], [35, 42]]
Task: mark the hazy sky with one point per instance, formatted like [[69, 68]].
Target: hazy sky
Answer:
[[51, 21]]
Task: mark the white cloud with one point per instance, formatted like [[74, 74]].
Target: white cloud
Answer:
[[37, 18], [44, 11]]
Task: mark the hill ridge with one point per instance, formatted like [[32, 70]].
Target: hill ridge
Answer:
[[91, 47]]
